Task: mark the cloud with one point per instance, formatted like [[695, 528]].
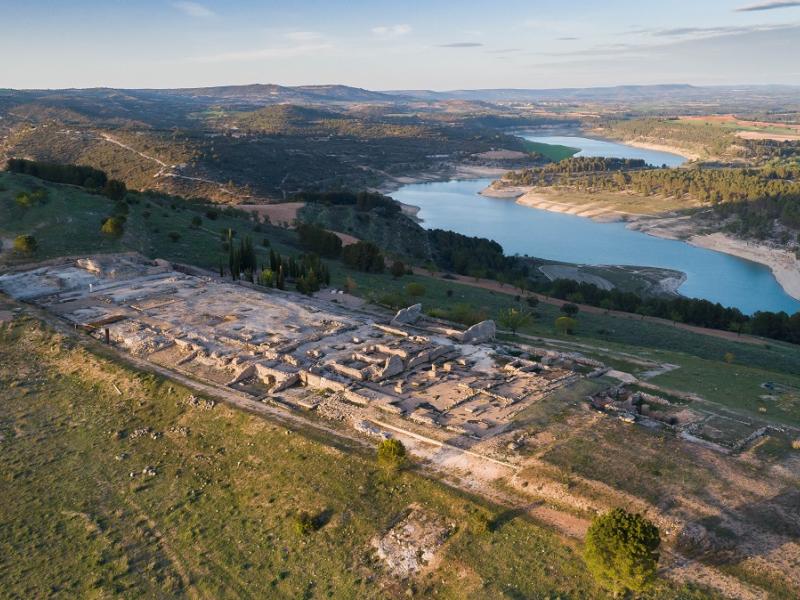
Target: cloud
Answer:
[[392, 30], [767, 6], [567, 39], [262, 54], [303, 36], [504, 51], [460, 45], [193, 9], [701, 32]]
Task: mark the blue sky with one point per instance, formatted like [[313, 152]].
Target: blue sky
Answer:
[[397, 45]]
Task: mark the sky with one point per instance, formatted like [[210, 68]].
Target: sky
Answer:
[[433, 44]]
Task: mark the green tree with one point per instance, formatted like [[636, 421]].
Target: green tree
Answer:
[[570, 309], [25, 244], [391, 454], [566, 325], [398, 269], [514, 319], [621, 550], [115, 189], [113, 226]]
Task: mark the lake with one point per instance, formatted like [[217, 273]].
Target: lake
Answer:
[[457, 205], [593, 147]]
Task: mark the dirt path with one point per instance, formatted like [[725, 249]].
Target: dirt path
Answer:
[[165, 170], [488, 284]]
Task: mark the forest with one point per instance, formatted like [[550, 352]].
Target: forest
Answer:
[[693, 311]]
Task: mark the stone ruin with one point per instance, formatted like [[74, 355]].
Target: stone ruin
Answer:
[[264, 342]]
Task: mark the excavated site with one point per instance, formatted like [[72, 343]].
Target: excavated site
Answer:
[[297, 351], [540, 421]]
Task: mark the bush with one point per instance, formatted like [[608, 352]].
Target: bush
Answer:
[[196, 222], [391, 454], [621, 550], [113, 226], [303, 523], [566, 325], [174, 236], [25, 244], [212, 215], [415, 289]]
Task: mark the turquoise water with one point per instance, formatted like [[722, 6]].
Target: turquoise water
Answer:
[[457, 205]]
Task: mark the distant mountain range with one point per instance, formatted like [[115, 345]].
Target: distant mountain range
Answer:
[[261, 94]]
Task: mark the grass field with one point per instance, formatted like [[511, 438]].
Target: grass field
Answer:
[[68, 222], [216, 520], [554, 152]]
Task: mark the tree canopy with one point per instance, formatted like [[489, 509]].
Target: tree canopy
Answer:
[[621, 550]]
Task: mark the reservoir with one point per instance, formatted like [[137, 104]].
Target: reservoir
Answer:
[[457, 205]]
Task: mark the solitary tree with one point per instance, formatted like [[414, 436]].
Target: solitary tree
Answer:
[[398, 269], [566, 325], [570, 309], [514, 319], [115, 189], [25, 244], [621, 550], [391, 454], [113, 226]]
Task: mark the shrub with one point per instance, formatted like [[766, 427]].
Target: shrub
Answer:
[[174, 236], [415, 289], [303, 523], [196, 222], [113, 226], [621, 550], [212, 215], [391, 454], [25, 244], [566, 325]]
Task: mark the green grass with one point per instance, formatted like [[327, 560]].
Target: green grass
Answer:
[[68, 223], [554, 152], [217, 518]]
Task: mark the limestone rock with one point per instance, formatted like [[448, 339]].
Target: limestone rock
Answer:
[[479, 333], [407, 315]]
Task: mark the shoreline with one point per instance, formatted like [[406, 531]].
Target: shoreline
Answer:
[[783, 265], [679, 151], [450, 171]]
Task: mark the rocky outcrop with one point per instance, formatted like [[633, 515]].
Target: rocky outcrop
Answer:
[[407, 315], [479, 333]]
